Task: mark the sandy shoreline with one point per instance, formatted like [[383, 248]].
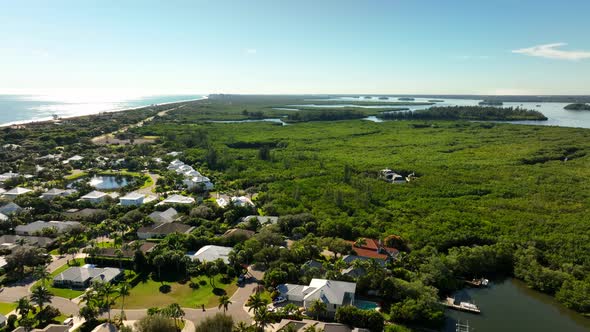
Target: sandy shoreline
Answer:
[[50, 119]]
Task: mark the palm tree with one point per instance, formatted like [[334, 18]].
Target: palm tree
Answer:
[[73, 251], [256, 302], [361, 241], [318, 307], [105, 290], [158, 261], [241, 327], [23, 306], [174, 311], [262, 317], [40, 296], [119, 254], [224, 303], [123, 291], [40, 272]]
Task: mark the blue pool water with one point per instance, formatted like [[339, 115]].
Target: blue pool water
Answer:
[[365, 305]]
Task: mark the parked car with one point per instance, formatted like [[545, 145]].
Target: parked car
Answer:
[[278, 300]]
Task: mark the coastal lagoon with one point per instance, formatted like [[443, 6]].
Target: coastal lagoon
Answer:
[[556, 115], [509, 305], [25, 108]]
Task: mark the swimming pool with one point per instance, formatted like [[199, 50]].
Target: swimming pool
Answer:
[[366, 305]]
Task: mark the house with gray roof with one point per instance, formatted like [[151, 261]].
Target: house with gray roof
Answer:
[[56, 192], [94, 196], [263, 220], [84, 276], [161, 229], [331, 292], [10, 208], [39, 225], [15, 192], [164, 216], [11, 241]]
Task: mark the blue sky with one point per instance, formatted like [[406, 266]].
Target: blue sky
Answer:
[[275, 46]]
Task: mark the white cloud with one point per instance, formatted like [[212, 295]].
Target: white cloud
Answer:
[[551, 51], [251, 51]]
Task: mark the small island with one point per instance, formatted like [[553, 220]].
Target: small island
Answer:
[[470, 113], [577, 107], [491, 103]]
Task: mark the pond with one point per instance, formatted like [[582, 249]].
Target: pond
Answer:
[[511, 306], [109, 182]]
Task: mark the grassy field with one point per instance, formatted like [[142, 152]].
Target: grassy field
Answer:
[[146, 294], [62, 292], [5, 308]]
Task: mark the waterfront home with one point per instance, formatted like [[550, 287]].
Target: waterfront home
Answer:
[[164, 216], [177, 199], [132, 199], [159, 230], [94, 197], [39, 225], [55, 192], [73, 159], [10, 208], [331, 292], [15, 192], [212, 253], [305, 324], [84, 276]]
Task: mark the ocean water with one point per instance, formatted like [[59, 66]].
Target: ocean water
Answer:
[[26, 108]]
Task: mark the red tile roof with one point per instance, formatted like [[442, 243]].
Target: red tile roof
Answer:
[[371, 248]]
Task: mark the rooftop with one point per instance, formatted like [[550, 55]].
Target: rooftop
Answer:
[[94, 195], [211, 253]]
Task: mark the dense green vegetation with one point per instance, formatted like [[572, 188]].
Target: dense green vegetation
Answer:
[[488, 199], [472, 113], [577, 107]]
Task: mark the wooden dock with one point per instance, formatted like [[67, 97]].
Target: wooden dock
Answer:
[[462, 306]]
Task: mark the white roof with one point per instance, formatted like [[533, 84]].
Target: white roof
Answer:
[[3, 217], [17, 191], [328, 291], [210, 253], [132, 196], [178, 199], [242, 201], [94, 194]]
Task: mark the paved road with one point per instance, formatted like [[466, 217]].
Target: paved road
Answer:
[[237, 309]]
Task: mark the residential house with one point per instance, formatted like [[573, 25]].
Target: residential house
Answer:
[[94, 197], [177, 199], [198, 182], [158, 230], [212, 253], [303, 325], [263, 220], [37, 227], [3, 217], [55, 192], [7, 176], [126, 250], [132, 199], [372, 248], [164, 216], [392, 177], [75, 158], [12, 241], [238, 233], [83, 277], [15, 192], [48, 328], [331, 292], [10, 208], [235, 200]]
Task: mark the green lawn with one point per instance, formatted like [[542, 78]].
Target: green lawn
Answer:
[[62, 292], [5, 308], [146, 294]]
